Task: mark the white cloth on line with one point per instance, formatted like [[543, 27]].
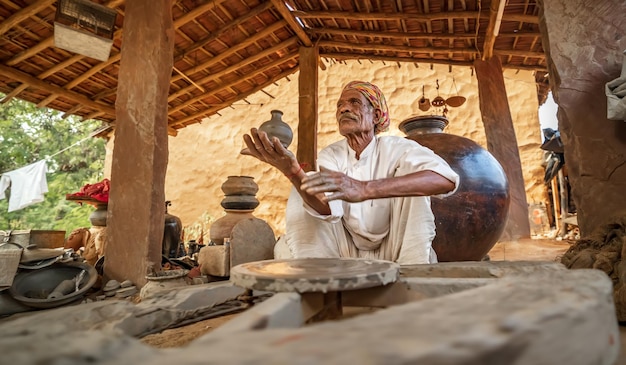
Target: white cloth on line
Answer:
[[28, 185], [395, 229]]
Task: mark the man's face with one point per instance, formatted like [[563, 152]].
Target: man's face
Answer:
[[355, 114]]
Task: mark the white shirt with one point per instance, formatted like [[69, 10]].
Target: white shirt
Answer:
[[28, 185], [386, 156]]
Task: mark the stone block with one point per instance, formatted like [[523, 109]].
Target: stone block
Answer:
[[214, 260], [251, 240]]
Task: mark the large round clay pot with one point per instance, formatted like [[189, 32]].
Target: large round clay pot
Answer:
[[470, 221], [221, 228], [275, 127]]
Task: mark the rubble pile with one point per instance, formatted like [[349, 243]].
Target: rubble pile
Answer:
[[604, 250]]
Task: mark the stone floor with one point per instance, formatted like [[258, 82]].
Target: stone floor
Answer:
[[543, 250], [529, 249], [522, 250]]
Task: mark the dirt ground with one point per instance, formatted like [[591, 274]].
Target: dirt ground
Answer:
[[523, 250]]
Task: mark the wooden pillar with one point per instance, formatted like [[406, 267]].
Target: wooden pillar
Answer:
[[307, 124], [137, 198], [502, 142]]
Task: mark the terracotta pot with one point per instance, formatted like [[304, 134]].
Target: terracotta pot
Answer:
[[163, 281], [275, 127], [222, 227], [240, 202], [470, 221], [240, 185]]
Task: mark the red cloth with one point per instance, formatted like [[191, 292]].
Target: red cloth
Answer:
[[98, 191]]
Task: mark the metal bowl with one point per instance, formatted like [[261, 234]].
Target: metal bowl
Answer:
[[32, 287]]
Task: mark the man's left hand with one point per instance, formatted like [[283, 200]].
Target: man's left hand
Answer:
[[341, 186]]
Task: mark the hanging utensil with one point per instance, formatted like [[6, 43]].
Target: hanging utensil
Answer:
[[438, 101], [457, 100], [424, 104]]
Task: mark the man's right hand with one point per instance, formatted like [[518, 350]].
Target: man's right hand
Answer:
[[271, 151]]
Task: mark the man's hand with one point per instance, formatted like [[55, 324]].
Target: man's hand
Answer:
[[270, 151], [340, 185]]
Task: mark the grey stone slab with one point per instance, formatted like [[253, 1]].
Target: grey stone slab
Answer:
[[555, 317], [479, 269]]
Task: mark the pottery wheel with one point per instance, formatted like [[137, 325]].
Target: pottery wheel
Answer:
[[314, 274]]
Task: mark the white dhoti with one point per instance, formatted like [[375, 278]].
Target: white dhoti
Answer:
[[411, 231]]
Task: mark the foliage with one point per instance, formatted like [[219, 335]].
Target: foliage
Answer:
[[199, 229], [29, 134]]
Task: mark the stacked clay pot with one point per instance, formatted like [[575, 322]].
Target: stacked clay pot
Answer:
[[238, 203]]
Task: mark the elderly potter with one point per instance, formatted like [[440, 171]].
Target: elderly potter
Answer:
[[371, 196]]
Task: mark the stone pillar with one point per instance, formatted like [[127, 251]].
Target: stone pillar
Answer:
[[502, 142], [584, 41], [137, 199]]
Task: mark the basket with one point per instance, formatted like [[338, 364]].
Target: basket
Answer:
[[37, 238], [10, 256]]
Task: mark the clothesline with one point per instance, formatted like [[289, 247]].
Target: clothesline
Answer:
[[47, 158], [68, 147]]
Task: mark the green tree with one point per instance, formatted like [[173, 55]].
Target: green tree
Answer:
[[29, 134]]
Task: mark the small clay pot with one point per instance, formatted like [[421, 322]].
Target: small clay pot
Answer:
[[99, 216], [275, 127], [240, 185]]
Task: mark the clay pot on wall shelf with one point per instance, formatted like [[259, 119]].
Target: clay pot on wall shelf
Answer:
[[470, 221], [275, 127], [98, 217]]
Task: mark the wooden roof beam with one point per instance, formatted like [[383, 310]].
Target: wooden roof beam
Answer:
[[234, 49], [400, 35], [14, 93], [392, 48], [35, 82], [496, 11], [232, 68], [24, 14], [224, 28], [241, 96], [281, 7], [257, 71], [195, 12], [357, 56], [532, 19]]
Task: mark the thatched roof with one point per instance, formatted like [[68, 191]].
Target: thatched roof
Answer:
[[226, 50]]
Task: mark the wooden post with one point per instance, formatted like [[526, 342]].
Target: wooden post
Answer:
[[556, 205], [564, 198], [137, 198], [502, 142], [307, 124]]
